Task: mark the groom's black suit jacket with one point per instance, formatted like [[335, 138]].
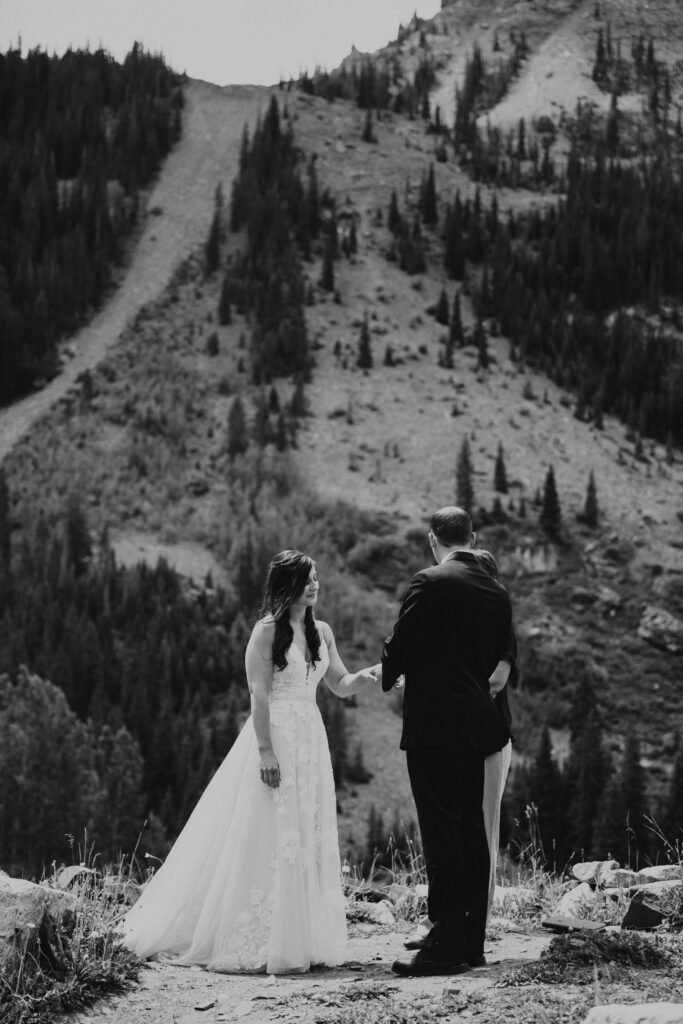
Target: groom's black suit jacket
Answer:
[[453, 628]]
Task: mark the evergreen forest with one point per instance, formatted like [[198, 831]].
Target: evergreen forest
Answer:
[[123, 688], [81, 135]]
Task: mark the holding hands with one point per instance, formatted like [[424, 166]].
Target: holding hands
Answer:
[[375, 673]]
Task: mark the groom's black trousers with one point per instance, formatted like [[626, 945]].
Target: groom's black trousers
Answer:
[[448, 790]]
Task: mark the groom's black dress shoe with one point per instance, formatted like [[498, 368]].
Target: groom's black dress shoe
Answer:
[[425, 964]]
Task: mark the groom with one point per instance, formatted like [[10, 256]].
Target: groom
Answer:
[[452, 628]]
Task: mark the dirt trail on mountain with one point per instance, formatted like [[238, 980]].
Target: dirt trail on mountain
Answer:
[[182, 201], [176, 995]]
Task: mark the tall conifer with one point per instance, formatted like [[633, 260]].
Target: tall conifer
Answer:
[[464, 487], [551, 516], [364, 360], [238, 437], [590, 509], [500, 480]]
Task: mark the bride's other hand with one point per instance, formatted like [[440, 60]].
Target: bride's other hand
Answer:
[[366, 675], [269, 768]]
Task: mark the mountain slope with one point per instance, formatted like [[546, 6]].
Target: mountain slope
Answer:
[[384, 440], [179, 207]]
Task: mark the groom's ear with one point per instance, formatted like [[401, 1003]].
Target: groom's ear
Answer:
[[473, 540]]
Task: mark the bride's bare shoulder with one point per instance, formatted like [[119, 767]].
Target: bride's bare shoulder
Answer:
[[263, 632], [326, 631], [266, 625]]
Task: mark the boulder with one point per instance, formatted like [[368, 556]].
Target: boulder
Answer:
[[661, 873], [620, 878], [575, 902], [383, 913], [24, 908], [592, 871], [639, 1013], [661, 629], [73, 875], [652, 904], [121, 890]]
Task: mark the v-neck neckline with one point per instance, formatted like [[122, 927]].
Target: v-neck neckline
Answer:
[[302, 653]]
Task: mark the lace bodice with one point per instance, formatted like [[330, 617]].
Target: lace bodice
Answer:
[[299, 679]]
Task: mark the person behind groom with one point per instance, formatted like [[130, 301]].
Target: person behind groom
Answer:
[[452, 630]]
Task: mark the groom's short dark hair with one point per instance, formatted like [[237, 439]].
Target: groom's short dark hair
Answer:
[[451, 526]]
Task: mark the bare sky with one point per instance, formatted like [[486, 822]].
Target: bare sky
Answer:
[[222, 41]]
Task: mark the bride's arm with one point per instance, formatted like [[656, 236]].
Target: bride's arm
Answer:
[[338, 678], [499, 677], [259, 665]]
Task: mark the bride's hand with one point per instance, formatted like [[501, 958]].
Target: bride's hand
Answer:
[[366, 675], [270, 769], [376, 671]]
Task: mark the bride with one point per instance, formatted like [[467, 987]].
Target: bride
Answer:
[[253, 881]]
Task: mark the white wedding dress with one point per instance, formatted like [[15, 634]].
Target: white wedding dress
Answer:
[[253, 882]]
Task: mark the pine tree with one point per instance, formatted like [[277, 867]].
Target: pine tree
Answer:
[[297, 405], [551, 516], [441, 311], [224, 316], [77, 540], [261, 428], [464, 487], [672, 811], [327, 277], [428, 198], [621, 831], [238, 438], [364, 360], [368, 134], [612, 128], [281, 433], [212, 251], [590, 512], [376, 840], [480, 340], [547, 793], [500, 480], [394, 218], [587, 772], [456, 333]]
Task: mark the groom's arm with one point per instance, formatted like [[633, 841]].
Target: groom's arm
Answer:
[[400, 648]]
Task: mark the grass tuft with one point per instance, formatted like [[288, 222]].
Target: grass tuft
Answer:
[[67, 963]]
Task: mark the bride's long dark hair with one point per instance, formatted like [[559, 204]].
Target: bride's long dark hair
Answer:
[[287, 576]]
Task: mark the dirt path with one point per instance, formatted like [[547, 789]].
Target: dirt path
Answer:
[[173, 994], [207, 153]]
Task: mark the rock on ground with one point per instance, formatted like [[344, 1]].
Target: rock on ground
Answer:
[[645, 1013], [23, 909]]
